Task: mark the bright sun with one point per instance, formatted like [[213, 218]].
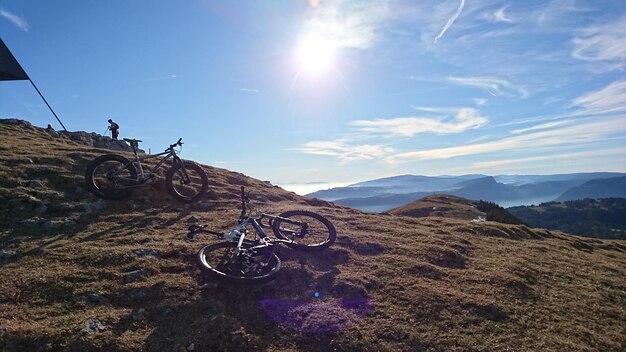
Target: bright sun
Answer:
[[315, 54]]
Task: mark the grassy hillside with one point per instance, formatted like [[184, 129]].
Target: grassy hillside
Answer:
[[83, 274], [602, 218], [453, 207]]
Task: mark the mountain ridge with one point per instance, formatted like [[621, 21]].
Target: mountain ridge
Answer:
[[523, 189]]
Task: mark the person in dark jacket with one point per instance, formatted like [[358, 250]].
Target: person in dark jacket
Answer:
[[115, 129]]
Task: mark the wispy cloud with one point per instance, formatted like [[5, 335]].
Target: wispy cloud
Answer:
[[348, 24], [556, 157], [249, 90], [574, 134], [15, 19], [542, 126], [345, 151], [604, 43], [464, 119], [498, 16], [611, 99], [480, 101], [493, 85], [451, 21]]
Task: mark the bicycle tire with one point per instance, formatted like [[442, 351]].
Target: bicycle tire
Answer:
[[230, 272], [320, 234], [186, 193], [107, 185]]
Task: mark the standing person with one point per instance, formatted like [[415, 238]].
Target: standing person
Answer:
[[115, 129]]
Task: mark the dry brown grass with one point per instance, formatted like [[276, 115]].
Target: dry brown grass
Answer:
[[390, 283]]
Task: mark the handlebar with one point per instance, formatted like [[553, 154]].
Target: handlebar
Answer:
[[178, 143]]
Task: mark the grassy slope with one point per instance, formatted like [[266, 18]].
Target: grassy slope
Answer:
[[439, 205], [430, 283]]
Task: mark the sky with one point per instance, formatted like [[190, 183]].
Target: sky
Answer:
[[310, 94]]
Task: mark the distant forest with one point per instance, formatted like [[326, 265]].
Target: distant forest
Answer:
[[600, 218], [494, 212]]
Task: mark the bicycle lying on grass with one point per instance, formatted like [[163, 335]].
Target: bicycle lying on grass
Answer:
[[113, 176], [254, 260]]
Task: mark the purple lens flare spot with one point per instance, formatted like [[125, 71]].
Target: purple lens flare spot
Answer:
[[317, 316]]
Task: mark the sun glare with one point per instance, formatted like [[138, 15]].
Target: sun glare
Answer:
[[315, 54]]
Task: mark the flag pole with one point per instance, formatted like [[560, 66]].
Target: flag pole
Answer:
[[45, 101]]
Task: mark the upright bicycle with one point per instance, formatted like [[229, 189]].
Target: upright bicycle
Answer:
[[249, 256], [113, 176]]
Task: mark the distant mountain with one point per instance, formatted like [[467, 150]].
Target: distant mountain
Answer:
[[416, 183], [602, 218], [505, 190], [603, 188], [381, 202]]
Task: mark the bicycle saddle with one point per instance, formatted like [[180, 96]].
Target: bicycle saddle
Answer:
[[131, 140]]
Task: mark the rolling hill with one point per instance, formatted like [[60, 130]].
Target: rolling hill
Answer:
[[85, 274]]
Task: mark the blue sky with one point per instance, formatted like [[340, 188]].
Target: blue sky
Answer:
[[334, 92]]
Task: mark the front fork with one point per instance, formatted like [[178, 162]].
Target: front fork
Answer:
[[181, 170]]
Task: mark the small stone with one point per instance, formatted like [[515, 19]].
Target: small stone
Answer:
[[192, 220], [76, 155], [28, 160], [137, 315], [93, 326], [95, 206], [61, 206], [52, 224], [137, 274], [138, 293], [147, 252], [69, 223], [191, 347], [30, 222], [5, 256], [35, 184], [93, 298], [42, 208]]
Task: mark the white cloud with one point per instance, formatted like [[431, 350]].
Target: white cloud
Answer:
[[610, 99], [494, 85], [464, 119], [348, 24], [16, 20], [605, 43], [451, 21], [480, 101], [249, 90], [345, 151], [500, 17]]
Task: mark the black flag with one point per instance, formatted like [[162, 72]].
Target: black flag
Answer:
[[10, 69]]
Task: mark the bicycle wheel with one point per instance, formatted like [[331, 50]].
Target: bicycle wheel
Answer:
[[186, 189], [111, 176], [222, 261], [307, 230]]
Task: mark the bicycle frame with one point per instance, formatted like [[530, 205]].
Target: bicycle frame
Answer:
[[239, 232], [137, 161]]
